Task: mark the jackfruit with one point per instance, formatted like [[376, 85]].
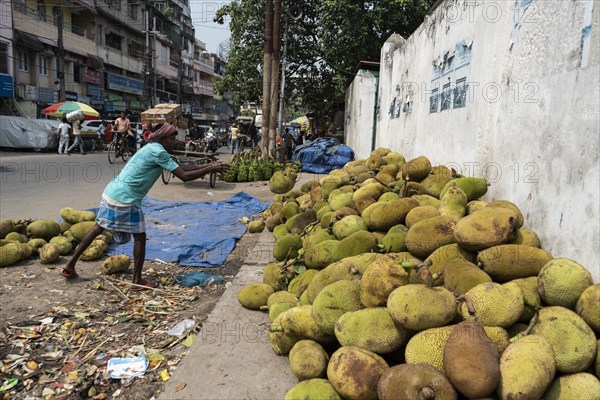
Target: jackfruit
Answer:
[[420, 213], [17, 237], [36, 244], [279, 231], [575, 386], [506, 262], [281, 342], [26, 251], [474, 188], [414, 381], [388, 196], [427, 200], [460, 276], [416, 169], [419, 307], [354, 372], [561, 281], [454, 203], [300, 322], [380, 278], [531, 297], [256, 226], [299, 284], [281, 297], [439, 176], [526, 237], [381, 216], [471, 360], [438, 260], [335, 300], [588, 307], [348, 225], [289, 209], [316, 236], [394, 158], [302, 220], [255, 295], [49, 253], [485, 228], [341, 200], [341, 213], [494, 304], [279, 308], [43, 228], [287, 247], [10, 254], [361, 203], [475, 205], [394, 240], [94, 251], [510, 206], [573, 341], [273, 276], [64, 245], [375, 162], [313, 389], [424, 237], [282, 182], [6, 226], [322, 254], [370, 329], [74, 216], [308, 360], [380, 152], [527, 368], [116, 264], [80, 229]]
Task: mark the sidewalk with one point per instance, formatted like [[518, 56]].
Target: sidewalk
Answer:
[[231, 357]]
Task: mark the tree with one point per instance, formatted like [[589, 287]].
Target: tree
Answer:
[[324, 47]]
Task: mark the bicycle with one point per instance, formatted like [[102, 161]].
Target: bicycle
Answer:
[[197, 159], [118, 149]]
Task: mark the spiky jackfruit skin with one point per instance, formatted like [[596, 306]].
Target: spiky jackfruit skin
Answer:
[[413, 381], [381, 277], [527, 237], [388, 196], [460, 276], [49, 253], [340, 200], [381, 216], [575, 386], [74, 216], [510, 206], [286, 247], [437, 179], [531, 297], [322, 254], [426, 200], [442, 256], [348, 225], [280, 230], [588, 307], [373, 190], [416, 169], [273, 276], [506, 262], [371, 329], [354, 373], [424, 237], [255, 295], [394, 240], [80, 229], [279, 308], [256, 226], [300, 322], [486, 228], [495, 304], [335, 300], [597, 363], [281, 182], [474, 188], [357, 243], [16, 237], [64, 245], [420, 213], [419, 307], [281, 341], [281, 297], [527, 367], [471, 360], [348, 268], [43, 228], [9, 254], [475, 205], [299, 284], [573, 341], [308, 360], [394, 158], [562, 281], [428, 346], [454, 203]]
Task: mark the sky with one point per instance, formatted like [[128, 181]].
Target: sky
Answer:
[[203, 12]]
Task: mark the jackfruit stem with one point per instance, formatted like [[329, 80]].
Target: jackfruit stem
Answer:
[[308, 227], [427, 393], [405, 187], [381, 182], [469, 303]]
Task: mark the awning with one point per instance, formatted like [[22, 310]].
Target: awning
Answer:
[[94, 62], [28, 40]]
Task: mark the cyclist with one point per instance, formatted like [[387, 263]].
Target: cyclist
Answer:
[[121, 129]]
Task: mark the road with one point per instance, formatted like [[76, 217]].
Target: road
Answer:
[[38, 185]]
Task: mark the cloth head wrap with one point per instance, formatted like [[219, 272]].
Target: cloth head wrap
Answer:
[[160, 132]]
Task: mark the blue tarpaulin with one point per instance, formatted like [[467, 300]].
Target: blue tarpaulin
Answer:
[[322, 155], [198, 234]]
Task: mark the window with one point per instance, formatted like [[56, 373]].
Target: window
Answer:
[[136, 49], [20, 6], [163, 56], [23, 61], [3, 58], [41, 10], [113, 41], [42, 65], [77, 73], [132, 9], [116, 4]]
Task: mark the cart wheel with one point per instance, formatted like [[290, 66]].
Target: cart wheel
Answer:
[[212, 178], [126, 152], [166, 176], [112, 152]]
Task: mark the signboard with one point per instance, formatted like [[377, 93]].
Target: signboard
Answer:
[[6, 86], [125, 84], [94, 90], [30, 93], [91, 76], [70, 96], [83, 99], [47, 95], [134, 105]]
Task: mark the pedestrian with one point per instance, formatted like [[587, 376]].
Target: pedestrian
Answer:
[[235, 132], [63, 136], [120, 206], [78, 141], [108, 129], [288, 143]]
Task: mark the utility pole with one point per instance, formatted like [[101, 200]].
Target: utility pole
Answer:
[[275, 73], [60, 70], [282, 91], [266, 92]]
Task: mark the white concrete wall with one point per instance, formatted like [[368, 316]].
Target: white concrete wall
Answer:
[[531, 119], [361, 99]]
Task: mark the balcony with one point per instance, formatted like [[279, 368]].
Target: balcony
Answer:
[[204, 88], [120, 59]]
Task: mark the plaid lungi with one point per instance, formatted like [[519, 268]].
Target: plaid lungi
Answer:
[[122, 221]]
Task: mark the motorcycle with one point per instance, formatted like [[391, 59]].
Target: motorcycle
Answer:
[[211, 141]]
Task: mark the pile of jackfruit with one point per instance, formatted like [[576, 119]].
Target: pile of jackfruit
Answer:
[[49, 240], [393, 279]]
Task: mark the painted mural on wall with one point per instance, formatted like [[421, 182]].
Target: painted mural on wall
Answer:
[[448, 85]]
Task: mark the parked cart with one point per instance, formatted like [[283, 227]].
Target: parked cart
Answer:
[[191, 157]]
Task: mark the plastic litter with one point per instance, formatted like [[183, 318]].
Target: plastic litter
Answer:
[[211, 194], [182, 327], [119, 368], [198, 278]]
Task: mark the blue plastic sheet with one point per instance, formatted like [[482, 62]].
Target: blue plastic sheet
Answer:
[[197, 278], [197, 234], [322, 155]]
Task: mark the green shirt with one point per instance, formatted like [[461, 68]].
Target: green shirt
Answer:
[[139, 174]]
